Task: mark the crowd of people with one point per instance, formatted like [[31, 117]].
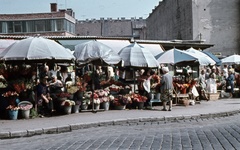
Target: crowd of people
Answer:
[[151, 81], [54, 81], [213, 79]]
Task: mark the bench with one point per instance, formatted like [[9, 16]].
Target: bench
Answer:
[[155, 99]]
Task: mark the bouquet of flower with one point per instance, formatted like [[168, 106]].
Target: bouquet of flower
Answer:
[[13, 107], [10, 94], [96, 101], [138, 98], [62, 95], [68, 103], [86, 102], [25, 106], [122, 100], [102, 93], [72, 89], [104, 99]]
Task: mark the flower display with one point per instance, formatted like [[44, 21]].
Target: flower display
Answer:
[[21, 85]]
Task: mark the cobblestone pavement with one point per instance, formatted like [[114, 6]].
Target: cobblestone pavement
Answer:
[[199, 134]]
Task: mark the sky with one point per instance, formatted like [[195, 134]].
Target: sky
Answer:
[[84, 9]]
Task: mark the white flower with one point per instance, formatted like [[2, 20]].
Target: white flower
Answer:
[[111, 97], [96, 101]]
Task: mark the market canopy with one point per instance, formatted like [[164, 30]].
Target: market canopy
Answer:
[[36, 49], [233, 59], [211, 55], [5, 43], [174, 56], [135, 55], [95, 52], [203, 59]]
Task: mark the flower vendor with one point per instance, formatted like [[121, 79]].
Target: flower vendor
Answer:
[[44, 100]]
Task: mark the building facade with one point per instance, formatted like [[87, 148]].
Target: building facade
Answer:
[[133, 27], [54, 23], [211, 21]]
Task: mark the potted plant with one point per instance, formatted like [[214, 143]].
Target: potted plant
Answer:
[[75, 108], [25, 107], [139, 100], [121, 101], [96, 102], [12, 98], [84, 104], [67, 106], [104, 98]]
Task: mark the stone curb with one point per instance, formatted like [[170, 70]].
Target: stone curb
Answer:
[[72, 127]]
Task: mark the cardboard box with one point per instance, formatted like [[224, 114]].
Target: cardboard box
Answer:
[[213, 96]]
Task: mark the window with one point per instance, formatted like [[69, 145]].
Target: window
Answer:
[[48, 25], [39, 25], [17, 26], [30, 26], [10, 27], [60, 25]]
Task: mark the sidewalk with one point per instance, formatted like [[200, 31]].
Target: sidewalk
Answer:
[[67, 123]]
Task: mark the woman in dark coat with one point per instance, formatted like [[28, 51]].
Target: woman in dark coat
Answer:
[[230, 83]]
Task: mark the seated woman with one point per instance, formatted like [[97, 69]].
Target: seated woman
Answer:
[[55, 85], [45, 103]]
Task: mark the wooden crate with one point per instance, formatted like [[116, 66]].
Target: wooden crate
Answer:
[[213, 96]]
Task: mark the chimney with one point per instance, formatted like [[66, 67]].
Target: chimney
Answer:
[[53, 7]]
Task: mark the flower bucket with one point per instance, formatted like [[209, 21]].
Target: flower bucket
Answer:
[[13, 114], [96, 106], [75, 108], [105, 105], [84, 107], [157, 96], [140, 105], [25, 114], [119, 107], [25, 107], [67, 109]]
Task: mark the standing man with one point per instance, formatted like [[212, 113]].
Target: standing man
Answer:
[[166, 89]]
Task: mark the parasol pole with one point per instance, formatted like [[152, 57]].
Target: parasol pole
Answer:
[[93, 87], [36, 101], [134, 80]]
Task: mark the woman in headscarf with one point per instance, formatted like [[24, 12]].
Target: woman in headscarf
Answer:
[[166, 89]]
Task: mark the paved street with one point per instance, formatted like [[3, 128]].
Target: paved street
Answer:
[[208, 134]]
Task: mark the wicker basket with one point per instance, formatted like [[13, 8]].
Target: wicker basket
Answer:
[[184, 102]]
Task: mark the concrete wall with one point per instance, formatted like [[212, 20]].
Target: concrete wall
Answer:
[[171, 19], [112, 28], [218, 21], [214, 21]]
